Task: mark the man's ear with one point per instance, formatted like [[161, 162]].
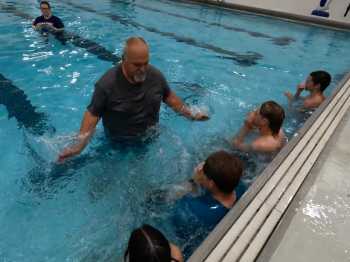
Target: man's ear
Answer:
[[265, 121], [318, 86], [211, 184], [123, 57]]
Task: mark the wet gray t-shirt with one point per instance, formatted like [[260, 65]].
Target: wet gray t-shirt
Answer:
[[128, 109]]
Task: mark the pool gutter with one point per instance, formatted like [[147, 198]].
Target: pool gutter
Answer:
[[249, 207], [313, 20]]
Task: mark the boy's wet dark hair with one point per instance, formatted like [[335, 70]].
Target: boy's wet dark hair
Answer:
[[275, 114], [224, 169], [147, 244], [45, 3], [322, 78]]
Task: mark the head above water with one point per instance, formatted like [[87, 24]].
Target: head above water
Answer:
[[45, 8], [147, 244], [318, 80], [222, 170], [135, 59], [270, 114]]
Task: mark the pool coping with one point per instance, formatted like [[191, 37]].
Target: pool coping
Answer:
[[276, 237], [215, 237], [313, 20]]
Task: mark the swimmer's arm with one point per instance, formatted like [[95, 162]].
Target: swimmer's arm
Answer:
[[176, 104], [54, 28], [295, 109], [176, 253], [59, 30], [238, 141], [87, 129], [37, 26], [298, 97], [187, 186]]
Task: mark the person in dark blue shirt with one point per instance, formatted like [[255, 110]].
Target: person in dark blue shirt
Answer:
[[215, 188], [47, 22], [219, 177]]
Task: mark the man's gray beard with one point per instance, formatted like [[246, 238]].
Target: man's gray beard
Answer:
[[139, 78]]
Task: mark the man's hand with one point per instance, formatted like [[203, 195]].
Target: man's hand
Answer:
[[68, 153], [289, 95], [87, 128], [301, 87], [175, 103], [249, 121], [50, 26], [201, 117], [38, 25], [197, 176]]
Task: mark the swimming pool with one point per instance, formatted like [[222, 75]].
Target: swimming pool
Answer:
[[226, 63]]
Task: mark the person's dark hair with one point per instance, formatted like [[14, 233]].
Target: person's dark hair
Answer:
[[322, 78], [224, 169], [45, 3], [147, 244], [275, 114]]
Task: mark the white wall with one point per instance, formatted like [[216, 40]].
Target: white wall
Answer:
[[336, 10]]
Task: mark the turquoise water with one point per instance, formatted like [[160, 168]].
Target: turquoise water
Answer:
[[224, 63]]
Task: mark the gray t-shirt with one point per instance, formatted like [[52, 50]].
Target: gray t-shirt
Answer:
[[128, 109]]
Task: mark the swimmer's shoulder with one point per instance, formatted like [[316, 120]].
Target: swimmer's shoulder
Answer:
[[262, 144], [281, 135], [155, 73], [111, 78], [176, 253], [315, 102], [268, 144]]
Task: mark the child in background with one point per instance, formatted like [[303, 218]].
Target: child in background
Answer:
[[316, 83]]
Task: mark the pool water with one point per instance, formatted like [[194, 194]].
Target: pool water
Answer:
[[220, 62]]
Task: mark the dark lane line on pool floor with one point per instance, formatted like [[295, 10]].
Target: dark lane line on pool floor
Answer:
[[90, 46], [281, 41], [242, 60], [19, 107]]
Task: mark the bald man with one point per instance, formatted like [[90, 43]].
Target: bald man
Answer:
[[128, 98]]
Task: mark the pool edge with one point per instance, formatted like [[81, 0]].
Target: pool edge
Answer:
[[317, 21], [278, 234]]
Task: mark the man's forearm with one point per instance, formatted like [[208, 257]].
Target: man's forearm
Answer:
[[238, 141], [298, 97], [56, 29], [81, 142], [184, 111]]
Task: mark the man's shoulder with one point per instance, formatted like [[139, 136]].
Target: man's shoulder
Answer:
[[264, 144], [55, 17], [39, 18], [155, 72], [313, 102], [109, 79]]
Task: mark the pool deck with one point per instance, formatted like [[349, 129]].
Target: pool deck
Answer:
[[316, 226], [266, 9], [298, 208]]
